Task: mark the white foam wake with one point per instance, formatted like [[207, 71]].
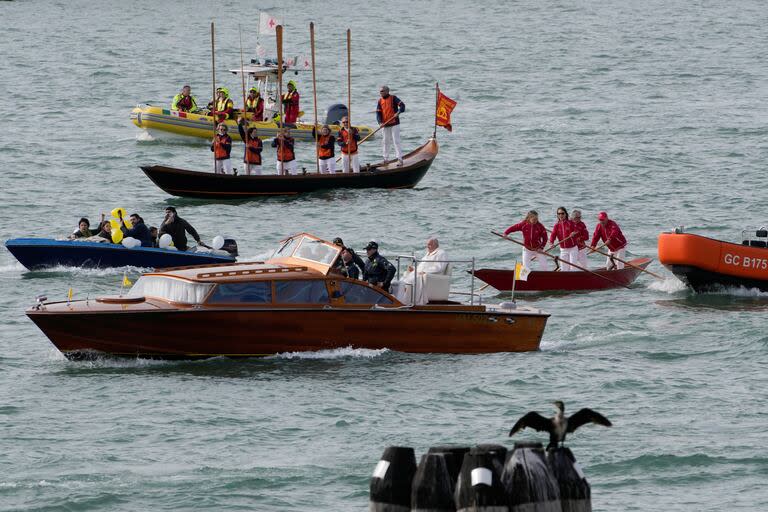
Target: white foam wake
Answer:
[[669, 285], [334, 353]]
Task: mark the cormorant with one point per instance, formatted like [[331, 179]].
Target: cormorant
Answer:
[[559, 425]]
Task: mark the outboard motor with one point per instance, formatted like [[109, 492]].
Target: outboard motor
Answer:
[[230, 245], [528, 481], [575, 494], [335, 113]]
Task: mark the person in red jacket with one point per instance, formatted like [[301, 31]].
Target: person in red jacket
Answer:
[[348, 139], [254, 105], [388, 111], [286, 158], [581, 237], [222, 147], [291, 103], [325, 149], [609, 232], [534, 238], [565, 231], [253, 147]]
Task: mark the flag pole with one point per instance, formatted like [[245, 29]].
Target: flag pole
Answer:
[[314, 92], [213, 80], [245, 103], [437, 100], [279, 36]]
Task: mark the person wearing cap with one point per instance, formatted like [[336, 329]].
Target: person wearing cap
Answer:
[[286, 158], [325, 153], [534, 240], [253, 147], [184, 101], [291, 104], [581, 237], [348, 139], [565, 231], [388, 111], [609, 232], [222, 148], [254, 105], [357, 260], [224, 105], [378, 271]]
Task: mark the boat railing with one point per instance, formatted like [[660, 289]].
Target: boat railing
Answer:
[[755, 237], [415, 262]]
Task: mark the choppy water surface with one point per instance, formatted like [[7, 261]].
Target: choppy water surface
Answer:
[[655, 111]]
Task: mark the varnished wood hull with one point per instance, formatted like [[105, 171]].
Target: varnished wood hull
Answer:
[[187, 334]]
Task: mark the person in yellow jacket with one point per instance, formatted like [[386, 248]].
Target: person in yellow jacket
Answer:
[[184, 101], [224, 105]]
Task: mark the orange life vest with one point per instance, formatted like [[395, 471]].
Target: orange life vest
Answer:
[[350, 147], [322, 152], [285, 150], [388, 110], [252, 156], [222, 145]]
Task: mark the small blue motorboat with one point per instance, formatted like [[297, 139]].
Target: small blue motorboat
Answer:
[[38, 253]]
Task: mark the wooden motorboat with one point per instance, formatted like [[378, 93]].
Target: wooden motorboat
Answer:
[[294, 301], [707, 264], [38, 253], [552, 281], [207, 185]]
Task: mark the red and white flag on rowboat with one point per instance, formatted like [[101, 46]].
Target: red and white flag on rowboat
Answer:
[[443, 109], [268, 24]]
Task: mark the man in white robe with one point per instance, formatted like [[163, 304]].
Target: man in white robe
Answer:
[[434, 261]]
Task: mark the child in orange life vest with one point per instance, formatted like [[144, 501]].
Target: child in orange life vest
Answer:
[[348, 139], [253, 147], [325, 153], [286, 158], [222, 147]]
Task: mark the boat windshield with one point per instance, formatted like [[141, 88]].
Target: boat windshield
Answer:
[[307, 248], [170, 289]]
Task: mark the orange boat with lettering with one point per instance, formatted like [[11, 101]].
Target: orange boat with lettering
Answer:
[[707, 264], [294, 301]]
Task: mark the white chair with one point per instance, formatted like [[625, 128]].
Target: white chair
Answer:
[[438, 286]]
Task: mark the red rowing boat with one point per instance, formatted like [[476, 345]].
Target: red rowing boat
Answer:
[[559, 281]]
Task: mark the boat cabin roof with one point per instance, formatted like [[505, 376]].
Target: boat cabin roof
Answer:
[[269, 71], [299, 256]]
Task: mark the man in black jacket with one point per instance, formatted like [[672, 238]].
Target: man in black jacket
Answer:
[[378, 271], [139, 231], [176, 227]]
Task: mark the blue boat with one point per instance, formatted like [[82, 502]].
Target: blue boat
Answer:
[[38, 253]]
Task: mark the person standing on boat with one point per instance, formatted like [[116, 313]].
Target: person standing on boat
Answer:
[[355, 258], [349, 267], [565, 231], [388, 112], [348, 139], [253, 148], [608, 231], [582, 237], [177, 227], [325, 153], [254, 105], [184, 101], [222, 148], [291, 104], [378, 271], [534, 239], [138, 230], [286, 158]]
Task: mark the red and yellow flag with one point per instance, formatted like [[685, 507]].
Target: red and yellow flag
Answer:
[[444, 107]]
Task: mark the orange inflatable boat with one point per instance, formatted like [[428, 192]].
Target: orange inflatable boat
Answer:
[[707, 264]]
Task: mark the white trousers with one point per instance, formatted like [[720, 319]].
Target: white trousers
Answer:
[[345, 162], [569, 255], [223, 166], [619, 254], [288, 166], [582, 259], [252, 169], [392, 137], [533, 260], [327, 165]]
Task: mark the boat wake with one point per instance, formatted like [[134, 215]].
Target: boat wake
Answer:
[[738, 291], [335, 353], [144, 136], [670, 285]]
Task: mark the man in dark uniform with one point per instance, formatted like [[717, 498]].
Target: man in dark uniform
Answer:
[[378, 271], [176, 227]]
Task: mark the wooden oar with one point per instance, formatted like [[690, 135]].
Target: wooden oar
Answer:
[[349, 84], [373, 132], [245, 103], [279, 36], [314, 92], [561, 241], [213, 80], [657, 276], [556, 258]]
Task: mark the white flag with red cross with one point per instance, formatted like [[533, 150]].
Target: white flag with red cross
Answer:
[[268, 24]]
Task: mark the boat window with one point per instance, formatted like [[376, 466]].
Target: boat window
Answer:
[[258, 292], [301, 292], [355, 293], [317, 251], [285, 249], [171, 289]]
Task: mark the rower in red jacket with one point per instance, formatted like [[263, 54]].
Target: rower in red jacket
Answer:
[[534, 238], [291, 103], [222, 147], [253, 147], [254, 105], [608, 231], [565, 231], [581, 237]]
